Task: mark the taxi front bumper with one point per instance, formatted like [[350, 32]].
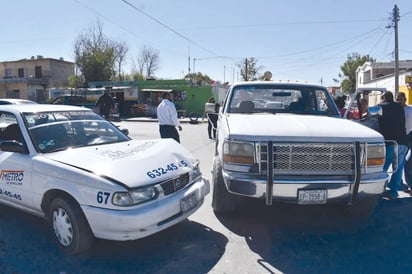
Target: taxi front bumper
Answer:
[[145, 219]]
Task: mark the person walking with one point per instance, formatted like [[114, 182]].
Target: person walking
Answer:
[[104, 104], [401, 99], [167, 116], [211, 109], [392, 127]]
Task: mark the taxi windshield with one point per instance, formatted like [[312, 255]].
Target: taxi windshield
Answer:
[[59, 130]]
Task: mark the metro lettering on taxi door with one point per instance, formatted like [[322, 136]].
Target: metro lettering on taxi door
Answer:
[[12, 177]]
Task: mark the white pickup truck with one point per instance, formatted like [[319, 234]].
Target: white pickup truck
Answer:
[[288, 142]]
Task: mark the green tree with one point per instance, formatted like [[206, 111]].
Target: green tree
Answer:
[[199, 77], [136, 75], [74, 81], [97, 57], [249, 69], [349, 70]]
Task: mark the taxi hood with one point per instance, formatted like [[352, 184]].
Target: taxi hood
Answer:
[[297, 128], [133, 163]]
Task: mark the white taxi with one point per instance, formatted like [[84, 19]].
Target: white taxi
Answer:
[[89, 179]]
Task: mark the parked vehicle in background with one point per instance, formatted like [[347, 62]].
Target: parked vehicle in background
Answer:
[[287, 142], [88, 179], [72, 100], [367, 98]]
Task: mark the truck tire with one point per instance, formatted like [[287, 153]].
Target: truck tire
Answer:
[[222, 201], [69, 226]]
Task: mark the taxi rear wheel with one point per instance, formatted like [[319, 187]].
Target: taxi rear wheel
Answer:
[[69, 226]]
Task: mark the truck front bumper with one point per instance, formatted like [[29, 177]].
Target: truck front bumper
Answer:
[[338, 189]]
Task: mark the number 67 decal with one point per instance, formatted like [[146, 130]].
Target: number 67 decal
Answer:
[[103, 197]]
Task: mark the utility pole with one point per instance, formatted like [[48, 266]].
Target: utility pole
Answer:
[[395, 20], [246, 72]]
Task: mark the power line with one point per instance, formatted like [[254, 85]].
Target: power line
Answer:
[[286, 24], [362, 35], [169, 28]]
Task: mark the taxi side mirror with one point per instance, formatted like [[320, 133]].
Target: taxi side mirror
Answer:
[[13, 146]]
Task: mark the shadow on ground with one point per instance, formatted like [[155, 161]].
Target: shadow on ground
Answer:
[[322, 239], [26, 246]]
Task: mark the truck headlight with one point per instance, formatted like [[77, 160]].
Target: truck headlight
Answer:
[[135, 196], [238, 156], [375, 156]]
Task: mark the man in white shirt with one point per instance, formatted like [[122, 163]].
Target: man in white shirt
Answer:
[[401, 99], [167, 116]]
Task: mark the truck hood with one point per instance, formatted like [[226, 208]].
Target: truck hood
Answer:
[[130, 163], [297, 128]]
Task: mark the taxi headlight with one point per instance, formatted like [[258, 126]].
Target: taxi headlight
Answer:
[[196, 171], [135, 196]]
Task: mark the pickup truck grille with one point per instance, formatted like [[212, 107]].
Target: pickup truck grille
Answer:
[[175, 184], [308, 158]]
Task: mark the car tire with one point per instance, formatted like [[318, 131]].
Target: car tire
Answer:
[[69, 226], [222, 201]]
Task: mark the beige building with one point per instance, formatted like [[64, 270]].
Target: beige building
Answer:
[[31, 78]]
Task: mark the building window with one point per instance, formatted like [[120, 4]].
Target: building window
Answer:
[[21, 73], [9, 73], [37, 72]]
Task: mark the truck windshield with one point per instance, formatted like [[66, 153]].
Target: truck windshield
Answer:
[[298, 99]]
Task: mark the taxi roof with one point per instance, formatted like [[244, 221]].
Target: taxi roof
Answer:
[[41, 107]]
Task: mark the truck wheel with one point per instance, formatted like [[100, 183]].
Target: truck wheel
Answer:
[[69, 227], [223, 201], [363, 207]]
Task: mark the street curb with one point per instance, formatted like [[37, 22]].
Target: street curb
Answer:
[[148, 119]]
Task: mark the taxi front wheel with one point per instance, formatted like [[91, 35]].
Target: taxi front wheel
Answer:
[[69, 226]]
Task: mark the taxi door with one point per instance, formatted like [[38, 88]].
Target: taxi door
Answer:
[[15, 163]]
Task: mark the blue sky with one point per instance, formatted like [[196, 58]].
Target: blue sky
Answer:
[[296, 40]]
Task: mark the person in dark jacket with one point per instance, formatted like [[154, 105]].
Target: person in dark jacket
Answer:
[[105, 103], [212, 117], [392, 127]]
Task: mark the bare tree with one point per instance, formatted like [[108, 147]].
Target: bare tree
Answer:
[[148, 61], [121, 50]]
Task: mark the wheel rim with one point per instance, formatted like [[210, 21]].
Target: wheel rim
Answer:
[[62, 226]]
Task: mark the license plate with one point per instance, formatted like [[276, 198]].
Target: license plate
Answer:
[[188, 202], [313, 196]]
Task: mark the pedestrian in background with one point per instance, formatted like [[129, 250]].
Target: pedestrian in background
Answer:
[[401, 99], [167, 116], [340, 103], [104, 104], [211, 110], [392, 127]]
